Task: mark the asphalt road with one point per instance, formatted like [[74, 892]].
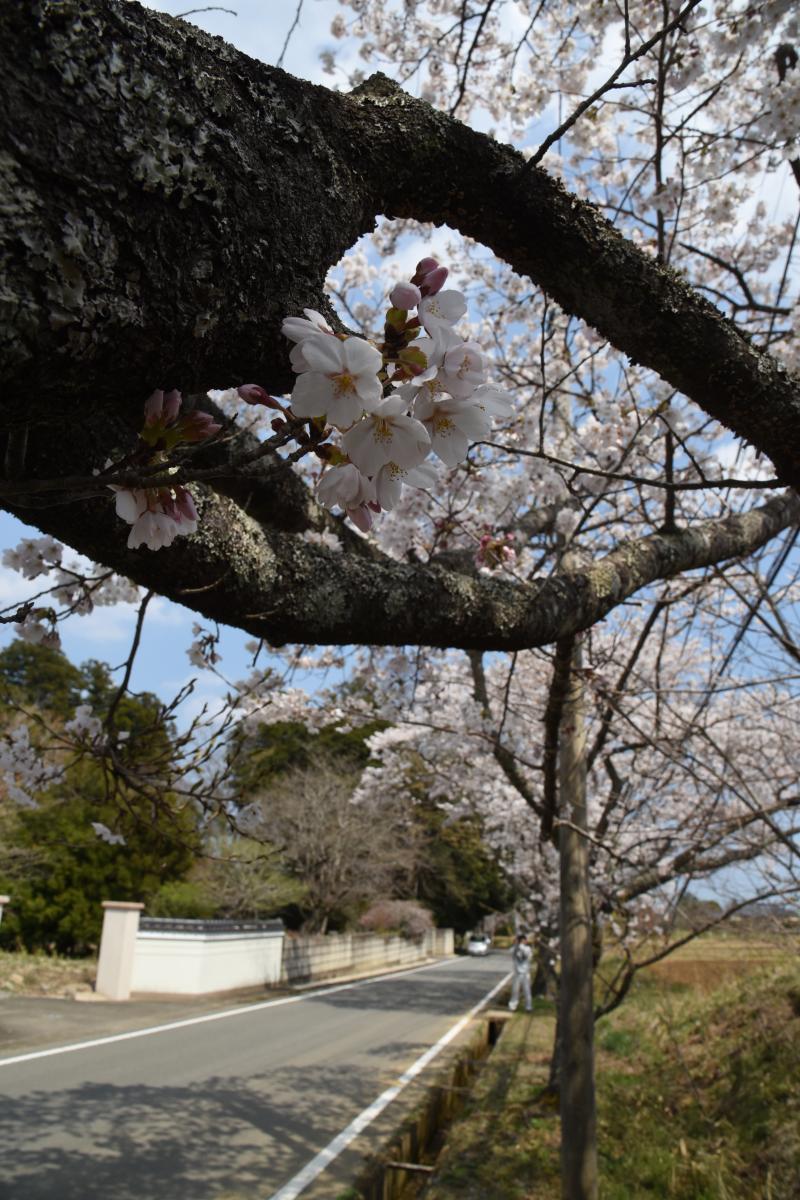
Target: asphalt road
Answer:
[[222, 1108]]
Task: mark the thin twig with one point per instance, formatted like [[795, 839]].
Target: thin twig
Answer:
[[211, 8], [137, 637], [292, 28], [640, 480]]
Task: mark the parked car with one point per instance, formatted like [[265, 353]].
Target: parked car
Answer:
[[478, 943]]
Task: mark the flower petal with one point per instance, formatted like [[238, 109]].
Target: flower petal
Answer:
[[368, 446], [360, 357], [313, 395], [324, 354], [345, 408]]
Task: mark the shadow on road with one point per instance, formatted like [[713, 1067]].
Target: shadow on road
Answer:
[[456, 992], [225, 1140]]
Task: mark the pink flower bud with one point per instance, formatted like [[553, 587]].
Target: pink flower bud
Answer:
[[361, 517], [154, 407], [172, 406], [197, 426], [425, 266], [405, 296], [185, 504], [252, 393], [434, 281]]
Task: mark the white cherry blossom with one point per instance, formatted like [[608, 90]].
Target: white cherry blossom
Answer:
[[463, 370], [34, 556], [156, 516], [84, 725], [324, 538], [443, 309], [24, 770], [345, 487], [299, 330], [104, 833], [435, 347], [390, 479], [37, 632], [452, 425], [388, 435], [493, 401], [341, 382]]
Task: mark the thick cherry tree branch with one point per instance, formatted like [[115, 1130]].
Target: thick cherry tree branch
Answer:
[[278, 587]]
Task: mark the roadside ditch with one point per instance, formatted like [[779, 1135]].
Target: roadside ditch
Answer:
[[404, 1165]]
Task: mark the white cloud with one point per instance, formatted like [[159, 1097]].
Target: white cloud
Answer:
[[114, 623], [14, 589], [173, 616]]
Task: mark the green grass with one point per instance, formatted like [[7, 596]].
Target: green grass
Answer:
[[707, 1107], [698, 1096], [504, 1140]]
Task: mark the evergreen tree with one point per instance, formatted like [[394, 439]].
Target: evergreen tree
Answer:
[[457, 876], [38, 676], [54, 865]]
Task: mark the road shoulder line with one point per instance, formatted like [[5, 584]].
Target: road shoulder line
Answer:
[[314, 1168]]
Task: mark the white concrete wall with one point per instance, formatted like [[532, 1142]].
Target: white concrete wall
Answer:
[[194, 963], [308, 958], [440, 943]]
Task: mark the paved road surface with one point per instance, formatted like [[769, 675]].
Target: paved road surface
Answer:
[[222, 1109]]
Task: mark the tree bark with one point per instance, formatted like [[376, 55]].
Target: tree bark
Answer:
[[576, 1005], [275, 586]]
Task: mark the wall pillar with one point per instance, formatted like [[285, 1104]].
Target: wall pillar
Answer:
[[117, 949]]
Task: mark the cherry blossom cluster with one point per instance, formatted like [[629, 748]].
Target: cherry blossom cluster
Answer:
[[34, 556], [84, 726], [23, 769], [160, 514], [495, 550], [779, 123], [203, 651], [422, 390], [105, 834], [73, 587]]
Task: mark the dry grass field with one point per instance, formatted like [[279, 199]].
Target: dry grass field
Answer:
[[24, 974]]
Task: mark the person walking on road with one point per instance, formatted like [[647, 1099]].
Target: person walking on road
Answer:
[[521, 956]]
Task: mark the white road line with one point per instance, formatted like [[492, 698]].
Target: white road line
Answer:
[[317, 1165], [218, 1016]]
